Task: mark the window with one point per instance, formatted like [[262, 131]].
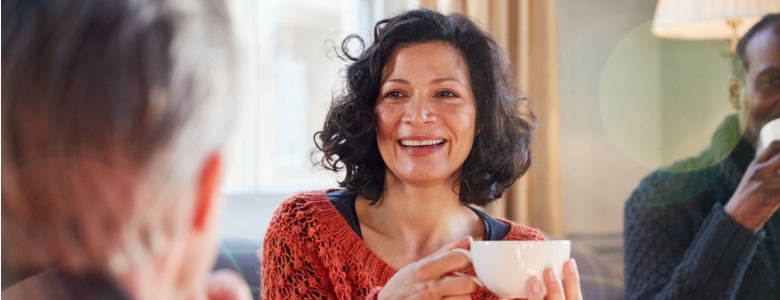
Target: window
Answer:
[[292, 72]]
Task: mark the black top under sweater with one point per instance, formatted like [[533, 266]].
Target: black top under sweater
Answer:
[[345, 204]]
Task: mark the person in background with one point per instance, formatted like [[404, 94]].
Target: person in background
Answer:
[[114, 115], [708, 227], [430, 123]]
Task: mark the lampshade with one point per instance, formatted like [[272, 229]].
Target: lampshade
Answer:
[[706, 19]]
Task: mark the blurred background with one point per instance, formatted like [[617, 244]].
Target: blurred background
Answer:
[[613, 101]]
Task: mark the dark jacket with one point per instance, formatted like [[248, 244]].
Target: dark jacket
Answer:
[[57, 284], [680, 243]]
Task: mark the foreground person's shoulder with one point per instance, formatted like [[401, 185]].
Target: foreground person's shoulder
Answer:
[[304, 201], [304, 207]]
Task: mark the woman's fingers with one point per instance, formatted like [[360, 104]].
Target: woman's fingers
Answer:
[[554, 288], [441, 264], [428, 278], [464, 242], [571, 280], [444, 261], [453, 286], [535, 289], [550, 281], [570, 290]]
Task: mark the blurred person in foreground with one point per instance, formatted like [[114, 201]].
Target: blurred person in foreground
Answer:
[[114, 114], [708, 227], [430, 123]]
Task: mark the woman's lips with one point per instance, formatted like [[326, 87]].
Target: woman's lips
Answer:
[[421, 147]]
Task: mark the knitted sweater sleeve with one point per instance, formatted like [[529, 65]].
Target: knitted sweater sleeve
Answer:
[[671, 255], [291, 268]]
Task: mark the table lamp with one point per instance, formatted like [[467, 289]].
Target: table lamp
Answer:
[[709, 19]]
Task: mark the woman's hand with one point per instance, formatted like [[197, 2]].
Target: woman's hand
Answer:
[[427, 278], [569, 291]]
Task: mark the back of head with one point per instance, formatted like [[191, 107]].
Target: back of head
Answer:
[[109, 108]]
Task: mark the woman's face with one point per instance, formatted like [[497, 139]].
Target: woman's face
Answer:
[[426, 114]]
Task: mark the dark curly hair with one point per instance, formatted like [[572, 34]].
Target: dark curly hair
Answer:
[[501, 151]]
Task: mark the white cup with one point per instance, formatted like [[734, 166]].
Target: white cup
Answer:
[[505, 267], [770, 132]]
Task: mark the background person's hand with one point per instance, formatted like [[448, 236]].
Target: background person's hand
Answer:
[[427, 278], [569, 291], [758, 195], [226, 284]]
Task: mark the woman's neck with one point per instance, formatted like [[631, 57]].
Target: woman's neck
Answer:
[[415, 220]]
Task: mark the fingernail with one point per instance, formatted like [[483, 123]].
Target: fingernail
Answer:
[[471, 239], [536, 288], [571, 267], [550, 275]]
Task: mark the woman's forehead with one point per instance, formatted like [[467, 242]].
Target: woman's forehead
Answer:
[[428, 61]]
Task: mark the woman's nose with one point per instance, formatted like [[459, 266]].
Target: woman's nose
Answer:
[[419, 111]]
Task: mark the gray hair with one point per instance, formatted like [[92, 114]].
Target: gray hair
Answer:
[[109, 110]]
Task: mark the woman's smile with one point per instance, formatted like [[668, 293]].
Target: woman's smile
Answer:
[[421, 147]]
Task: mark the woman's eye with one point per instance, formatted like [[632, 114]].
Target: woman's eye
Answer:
[[393, 94], [447, 94]]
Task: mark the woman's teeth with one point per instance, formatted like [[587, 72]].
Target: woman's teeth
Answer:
[[421, 143]]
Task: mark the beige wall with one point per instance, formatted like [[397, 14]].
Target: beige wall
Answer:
[[694, 95], [629, 103]]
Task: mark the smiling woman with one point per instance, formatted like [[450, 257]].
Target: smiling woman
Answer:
[[429, 124], [474, 67]]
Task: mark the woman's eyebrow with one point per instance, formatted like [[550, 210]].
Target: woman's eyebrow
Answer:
[[397, 80], [440, 80], [436, 81]]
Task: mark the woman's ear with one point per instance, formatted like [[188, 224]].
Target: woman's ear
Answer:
[[207, 192]]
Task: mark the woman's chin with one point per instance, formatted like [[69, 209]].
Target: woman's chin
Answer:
[[425, 178]]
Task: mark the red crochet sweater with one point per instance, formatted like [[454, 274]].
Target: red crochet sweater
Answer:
[[310, 252]]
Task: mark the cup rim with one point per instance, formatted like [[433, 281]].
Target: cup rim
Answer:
[[525, 242]]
